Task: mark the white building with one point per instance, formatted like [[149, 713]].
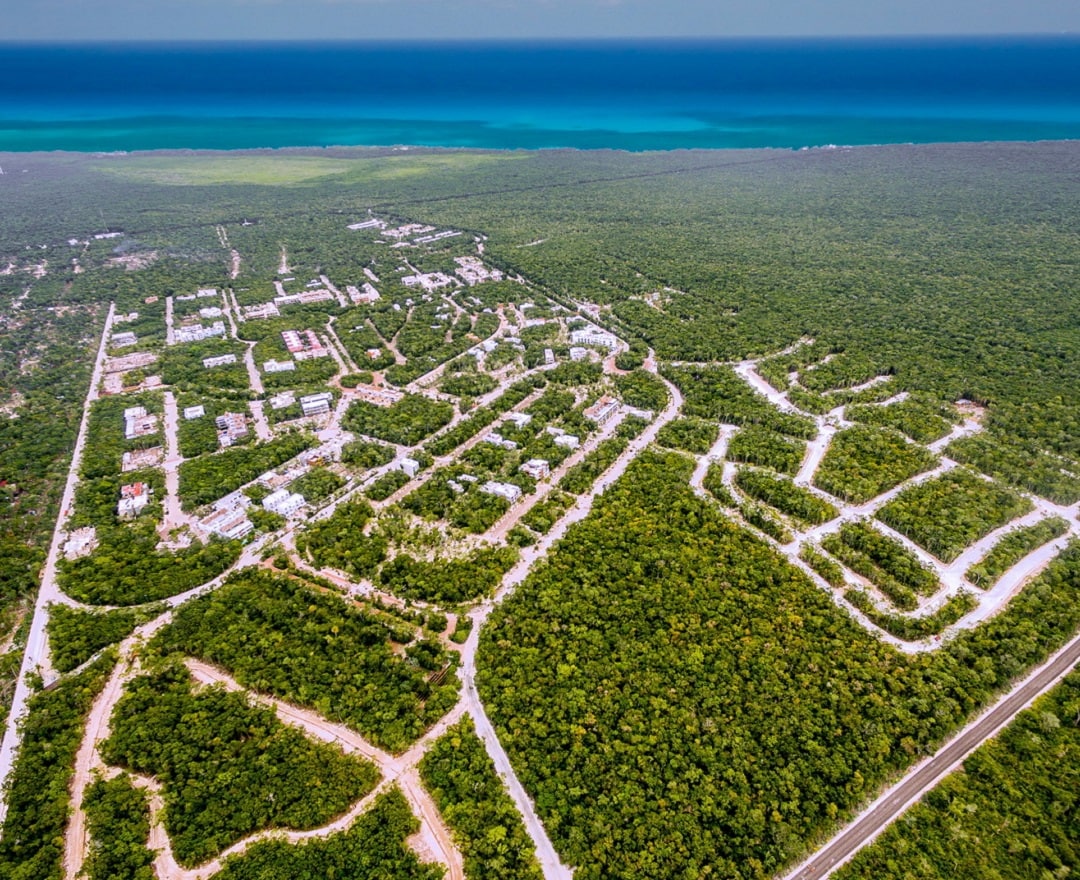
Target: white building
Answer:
[[409, 466], [567, 441], [472, 271], [278, 366], [429, 281], [283, 502], [219, 361], [373, 223], [594, 336], [210, 312], [133, 498], [264, 310], [601, 411], [502, 490], [194, 412], [231, 523], [537, 468], [138, 422], [231, 427], [518, 420], [364, 295], [282, 400], [577, 353], [497, 439], [197, 332], [123, 340], [316, 404]]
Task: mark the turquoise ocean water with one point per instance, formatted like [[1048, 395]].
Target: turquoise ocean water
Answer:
[[633, 95]]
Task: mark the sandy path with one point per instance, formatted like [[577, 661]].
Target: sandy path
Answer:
[[433, 833]]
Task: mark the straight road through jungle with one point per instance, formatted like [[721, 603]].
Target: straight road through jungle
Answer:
[[893, 802]]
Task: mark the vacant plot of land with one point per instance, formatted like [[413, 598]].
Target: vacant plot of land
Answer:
[[864, 462], [952, 512]]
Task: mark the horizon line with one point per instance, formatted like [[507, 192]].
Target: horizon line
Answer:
[[688, 38]]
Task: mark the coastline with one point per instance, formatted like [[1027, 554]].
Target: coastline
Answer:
[[630, 95]]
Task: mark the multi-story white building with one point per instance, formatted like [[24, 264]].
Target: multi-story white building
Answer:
[[283, 502], [316, 404], [594, 336], [537, 468], [502, 490], [133, 498], [219, 361]]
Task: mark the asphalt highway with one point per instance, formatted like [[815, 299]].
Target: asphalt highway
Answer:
[[927, 774]]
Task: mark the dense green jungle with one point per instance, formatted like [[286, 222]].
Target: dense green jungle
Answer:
[[679, 699]]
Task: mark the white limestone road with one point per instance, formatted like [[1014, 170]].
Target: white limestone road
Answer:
[[170, 333], [745, 370], [552, 866], [174, 514], [434, 837], [254, 379], [87, 760], [715, 455], [316, 726], [965, 429], [332, 333], [401, 768], [36, 653], [258, 416], [815, 452], [343, 368], [343, 300], [227, 308]]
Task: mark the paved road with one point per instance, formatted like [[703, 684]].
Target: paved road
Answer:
[[927, 774]]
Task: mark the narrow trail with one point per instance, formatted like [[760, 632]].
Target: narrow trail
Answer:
[[170, 333], [254, 379], [342, 299]]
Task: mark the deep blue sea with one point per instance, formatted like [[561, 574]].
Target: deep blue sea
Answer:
[[632, 95]]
